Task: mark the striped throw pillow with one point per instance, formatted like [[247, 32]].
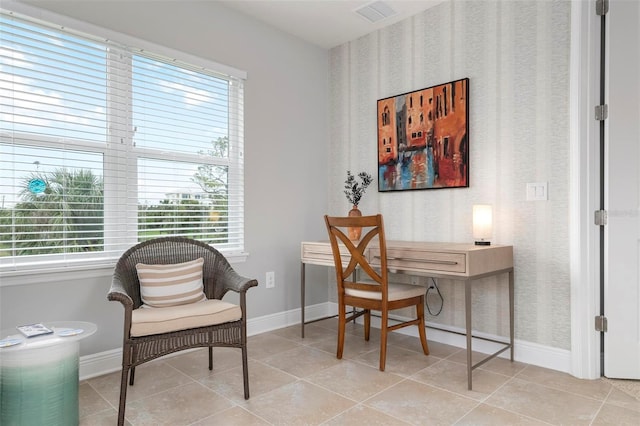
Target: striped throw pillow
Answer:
[[171, 285]]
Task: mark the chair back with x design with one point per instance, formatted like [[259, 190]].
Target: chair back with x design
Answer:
[[373, 227]]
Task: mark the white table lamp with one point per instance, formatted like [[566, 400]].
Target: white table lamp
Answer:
[[482, 224]]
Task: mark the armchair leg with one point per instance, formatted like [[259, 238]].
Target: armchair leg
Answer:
[[123, 395], [245, 371], [210, 358], [132, 375]]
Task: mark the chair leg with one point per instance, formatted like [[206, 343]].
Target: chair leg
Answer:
[[367, 324], [245, 371], [421, 326], [383, 338], [132, 375], [341, 325], [210, 358], [123, 395]]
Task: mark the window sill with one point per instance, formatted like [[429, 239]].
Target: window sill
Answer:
[[54, 274], [76, 272]]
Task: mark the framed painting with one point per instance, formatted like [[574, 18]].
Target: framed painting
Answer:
[[423, 138]]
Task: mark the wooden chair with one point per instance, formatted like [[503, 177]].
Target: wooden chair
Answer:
[[150, 333], [379, 295]]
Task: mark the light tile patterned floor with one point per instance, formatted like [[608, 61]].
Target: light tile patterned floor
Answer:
[[296, 381]]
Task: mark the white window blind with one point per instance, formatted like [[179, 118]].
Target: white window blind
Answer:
[[104, 145]]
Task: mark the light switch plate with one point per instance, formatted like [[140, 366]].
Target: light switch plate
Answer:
[[537, 191]]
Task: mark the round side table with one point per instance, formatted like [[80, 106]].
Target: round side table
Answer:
[[39, 375]]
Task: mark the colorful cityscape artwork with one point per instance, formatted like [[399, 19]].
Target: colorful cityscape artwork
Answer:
[[423, 140]]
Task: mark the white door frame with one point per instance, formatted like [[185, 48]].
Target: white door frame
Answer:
[[584, 189]]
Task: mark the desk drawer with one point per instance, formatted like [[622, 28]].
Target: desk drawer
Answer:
[[421, 260], [321, 254]]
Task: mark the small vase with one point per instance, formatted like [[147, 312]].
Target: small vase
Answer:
[[354, 231]]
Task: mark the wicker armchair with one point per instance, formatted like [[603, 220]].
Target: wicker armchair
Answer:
[[218, 277]]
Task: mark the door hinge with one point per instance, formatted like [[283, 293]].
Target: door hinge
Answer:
[[600, 217], [602, 112], [602, 7], [601, 323]]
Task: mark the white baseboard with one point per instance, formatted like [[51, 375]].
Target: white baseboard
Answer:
[[101, 363], [527, 352]]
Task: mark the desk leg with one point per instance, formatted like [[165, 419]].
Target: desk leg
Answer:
[[511, 310], [302, 303], [467, 311]]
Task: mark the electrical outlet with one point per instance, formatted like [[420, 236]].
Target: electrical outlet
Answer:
[[415, 280], [271, 279]]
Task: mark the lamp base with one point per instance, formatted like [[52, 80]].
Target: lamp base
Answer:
[[483, 243]]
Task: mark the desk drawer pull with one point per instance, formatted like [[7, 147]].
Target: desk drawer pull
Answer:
[[434, 261], [324, 253]]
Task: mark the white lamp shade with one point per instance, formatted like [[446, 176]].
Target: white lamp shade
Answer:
[[482, 222]]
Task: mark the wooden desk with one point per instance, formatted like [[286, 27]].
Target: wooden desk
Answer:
[[463, 263]]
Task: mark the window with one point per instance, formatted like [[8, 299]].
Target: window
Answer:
[[104, 145], [444, 96], [386, 116]]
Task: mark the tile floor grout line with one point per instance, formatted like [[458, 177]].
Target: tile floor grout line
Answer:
[[595, 415], [103, 397], [275, 368], [486, 402], [402, 379], [467, 413], [230, 408], [232, 402], [516, 412], [557, 388]]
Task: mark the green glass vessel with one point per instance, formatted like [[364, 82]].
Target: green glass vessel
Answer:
[[40, 387]]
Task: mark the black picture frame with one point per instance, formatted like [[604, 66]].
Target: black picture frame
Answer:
[[423, 138]]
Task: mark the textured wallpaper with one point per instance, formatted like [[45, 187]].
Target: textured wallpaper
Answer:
[[516, 56]]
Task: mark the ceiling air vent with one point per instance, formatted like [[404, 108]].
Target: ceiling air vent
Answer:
[[376, 11]]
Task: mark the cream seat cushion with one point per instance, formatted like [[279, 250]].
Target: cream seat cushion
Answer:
[[395, 292], [148, 320]]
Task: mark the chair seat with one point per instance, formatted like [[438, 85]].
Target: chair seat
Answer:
[[395, 292], [146, 320]]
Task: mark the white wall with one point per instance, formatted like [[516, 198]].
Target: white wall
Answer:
[[516, 55], [298, 97], [286, 122]]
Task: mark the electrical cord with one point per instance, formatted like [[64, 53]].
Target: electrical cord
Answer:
[[434, 285]]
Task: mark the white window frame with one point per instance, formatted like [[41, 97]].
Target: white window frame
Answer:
[[126, 158]]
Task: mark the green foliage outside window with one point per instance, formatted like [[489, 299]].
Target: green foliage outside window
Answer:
[[68, 217]]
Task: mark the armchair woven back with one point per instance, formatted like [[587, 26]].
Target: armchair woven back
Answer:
[[170, 250]]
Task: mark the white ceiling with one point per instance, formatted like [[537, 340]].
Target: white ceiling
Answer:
[[325, 23]]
